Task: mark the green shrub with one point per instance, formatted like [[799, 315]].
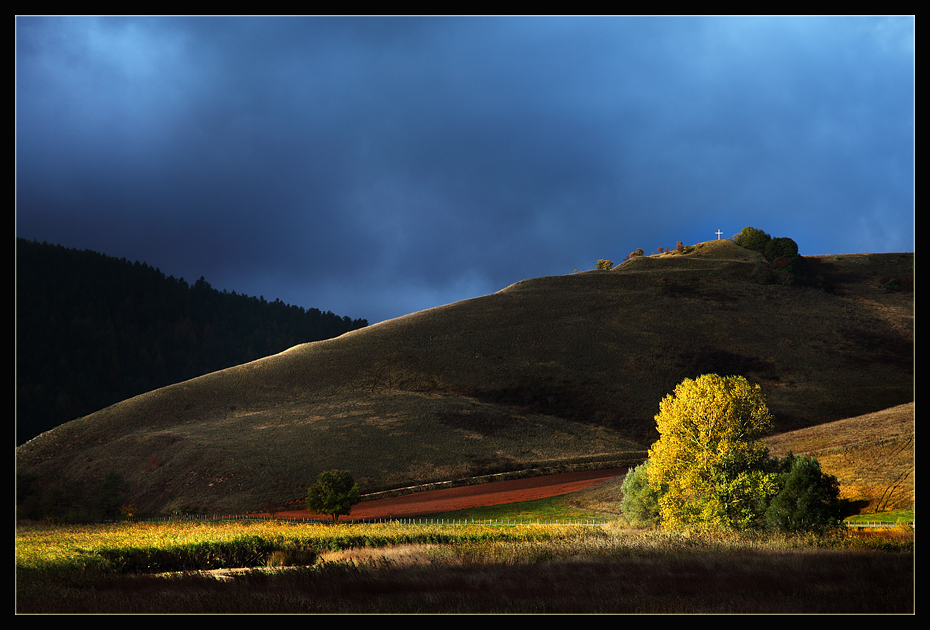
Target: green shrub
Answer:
[[807, 499], [752, 238], [605, 264], [782, 262], [780, 247], [640, 503], [893, 284]]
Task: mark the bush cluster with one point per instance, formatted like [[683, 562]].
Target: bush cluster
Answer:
[[711, 470], [679, 248], [805, 498], [759, 241], [72, 503], [782, 264]]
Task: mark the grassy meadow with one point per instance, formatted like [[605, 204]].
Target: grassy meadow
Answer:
[[278, 567], [558, 509]]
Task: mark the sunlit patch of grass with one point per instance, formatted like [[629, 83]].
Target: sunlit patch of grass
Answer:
[[891, 517], [393, 568], [555, 569], [549, 510], [132, 547]]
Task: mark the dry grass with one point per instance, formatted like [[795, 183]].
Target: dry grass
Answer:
[[872, 456], [597, 571], [550, 371]]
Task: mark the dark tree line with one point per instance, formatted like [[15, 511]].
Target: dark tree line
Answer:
[[92, 330]]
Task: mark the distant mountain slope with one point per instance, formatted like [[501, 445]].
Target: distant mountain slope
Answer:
[[557, 370], [92, 330]]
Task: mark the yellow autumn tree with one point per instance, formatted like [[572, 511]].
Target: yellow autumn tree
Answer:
[[710, 458]]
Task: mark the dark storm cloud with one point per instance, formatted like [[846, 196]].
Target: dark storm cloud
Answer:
[[379, 166]]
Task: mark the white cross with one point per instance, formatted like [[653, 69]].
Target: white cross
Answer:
[[718, 233]]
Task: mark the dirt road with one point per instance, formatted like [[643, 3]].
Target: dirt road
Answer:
[[495, 493]]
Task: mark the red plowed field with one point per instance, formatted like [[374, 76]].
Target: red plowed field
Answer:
[[495, 493]]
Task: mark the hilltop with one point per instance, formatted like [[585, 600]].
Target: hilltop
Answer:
[[550, 372]]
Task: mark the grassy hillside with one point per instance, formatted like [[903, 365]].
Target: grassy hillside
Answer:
[[550, 371], [871, 455], [92, 330]]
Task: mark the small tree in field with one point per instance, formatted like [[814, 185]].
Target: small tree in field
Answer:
[[710, 458], [334, 493]]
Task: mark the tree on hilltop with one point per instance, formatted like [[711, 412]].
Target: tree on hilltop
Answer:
[[781, 247], [752, 238], [782, 262]]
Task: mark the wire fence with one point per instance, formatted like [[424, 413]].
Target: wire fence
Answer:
[[445, 521], [372, 521]]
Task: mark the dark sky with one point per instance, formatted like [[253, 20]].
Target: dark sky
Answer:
[[376, 167]]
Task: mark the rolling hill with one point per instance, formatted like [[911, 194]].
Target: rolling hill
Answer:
[[872, 456], [92, 330], [550, 373]]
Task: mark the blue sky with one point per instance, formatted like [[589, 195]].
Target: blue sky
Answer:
[[375, 167]]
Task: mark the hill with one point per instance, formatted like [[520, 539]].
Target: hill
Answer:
[[872, 456], [92, 330], [549, 372]]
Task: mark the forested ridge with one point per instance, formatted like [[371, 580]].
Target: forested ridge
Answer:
[[92, 330]]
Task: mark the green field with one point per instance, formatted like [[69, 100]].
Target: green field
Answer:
[[561, 509], [279, 567], [890, 518], [550, 510]]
